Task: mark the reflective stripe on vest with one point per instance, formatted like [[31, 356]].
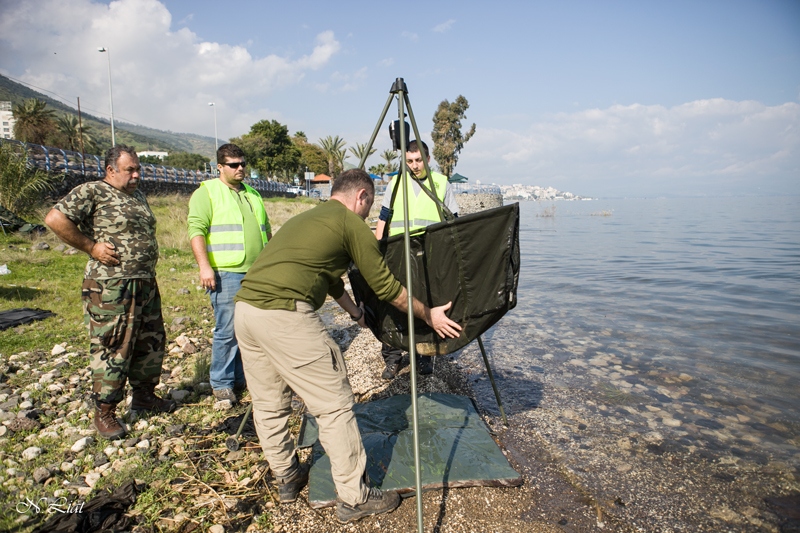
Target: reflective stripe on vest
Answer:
[[224, 247], [225, 237], [226, 227], [421, 209]]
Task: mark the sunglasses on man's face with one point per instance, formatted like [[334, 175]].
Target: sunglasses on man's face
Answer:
[[236, 165]]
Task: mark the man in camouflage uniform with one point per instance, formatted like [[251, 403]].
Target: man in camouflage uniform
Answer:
[[111, 221]]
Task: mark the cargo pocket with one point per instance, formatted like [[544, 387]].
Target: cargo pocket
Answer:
[[105, 314], [337, 360]]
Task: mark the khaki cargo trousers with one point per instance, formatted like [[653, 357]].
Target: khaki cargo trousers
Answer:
[[285, 351]]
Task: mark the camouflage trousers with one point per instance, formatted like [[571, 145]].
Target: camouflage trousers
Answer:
[[126, 335]]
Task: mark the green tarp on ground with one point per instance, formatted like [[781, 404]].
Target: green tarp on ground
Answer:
[[456, 449]]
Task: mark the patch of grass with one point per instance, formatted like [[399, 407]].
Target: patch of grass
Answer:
[[202, 369], [280, 210], [43, 279], [264, 521], [49, 279], [171, 212]]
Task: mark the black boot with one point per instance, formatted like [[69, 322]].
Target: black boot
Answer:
[[392, 357], [378, 501], [290, 486], [424, 365], [391, 370]]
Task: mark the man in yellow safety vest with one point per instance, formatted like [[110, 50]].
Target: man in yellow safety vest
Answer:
[[228, 228], [422, 212]]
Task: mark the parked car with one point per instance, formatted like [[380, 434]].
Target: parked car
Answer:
[[295, 190]]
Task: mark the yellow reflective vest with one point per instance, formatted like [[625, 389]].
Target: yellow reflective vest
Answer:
[[422, 210], [225, 237]]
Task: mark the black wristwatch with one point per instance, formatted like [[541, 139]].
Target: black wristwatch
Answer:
[[359, 317]]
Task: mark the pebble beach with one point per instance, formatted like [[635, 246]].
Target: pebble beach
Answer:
[[588, 462]]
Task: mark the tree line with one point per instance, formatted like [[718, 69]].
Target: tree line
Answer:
[[35, 123], [277, 154], [268, 146]]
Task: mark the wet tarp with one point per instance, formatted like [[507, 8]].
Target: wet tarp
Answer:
[[23, 315], [456, 449], [472, 261]]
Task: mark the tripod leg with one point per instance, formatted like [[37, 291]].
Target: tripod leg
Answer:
[[375, 131], [491, 378], [232, 443]]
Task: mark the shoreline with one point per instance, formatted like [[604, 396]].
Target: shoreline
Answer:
[[585, 469]]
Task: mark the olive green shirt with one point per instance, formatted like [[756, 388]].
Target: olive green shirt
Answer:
[[306, 259]]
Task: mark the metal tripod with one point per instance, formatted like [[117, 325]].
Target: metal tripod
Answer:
[[400, 92]]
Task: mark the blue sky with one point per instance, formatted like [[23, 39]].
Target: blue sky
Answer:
[[597, 98]]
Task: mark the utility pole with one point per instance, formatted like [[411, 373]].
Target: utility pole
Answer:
[[80, 124], [103, 49]]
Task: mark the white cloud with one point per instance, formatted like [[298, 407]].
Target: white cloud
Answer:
[[345, 82], [410, 35], [162, 77], [444, 26], [388, 62], [630, 148]]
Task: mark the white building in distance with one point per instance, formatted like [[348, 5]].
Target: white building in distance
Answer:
[[160, 155], [6, 121]]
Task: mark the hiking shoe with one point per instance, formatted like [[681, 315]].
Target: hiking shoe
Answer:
[[105, 421], [290, 486], [144, 399], [377, 502], [390, 371], [226, 394], [424, 365]]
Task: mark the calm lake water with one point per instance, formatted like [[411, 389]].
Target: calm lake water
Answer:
[[693, 304]]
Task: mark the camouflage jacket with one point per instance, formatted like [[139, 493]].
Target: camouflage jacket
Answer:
[[106, 214]]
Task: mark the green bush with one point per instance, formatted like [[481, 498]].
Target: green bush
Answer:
[[22, 188]]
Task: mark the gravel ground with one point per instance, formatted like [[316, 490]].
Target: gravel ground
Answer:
[[546, 502], [586, 467], [584, 471]]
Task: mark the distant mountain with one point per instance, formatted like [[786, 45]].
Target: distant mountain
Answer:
[[140, 137]]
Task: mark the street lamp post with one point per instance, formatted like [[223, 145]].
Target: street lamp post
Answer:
[[110, 95], [216, 142]]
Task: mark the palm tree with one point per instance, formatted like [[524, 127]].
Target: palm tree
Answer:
[[71, 131], [22, 189], [379, 169], [359, 150], [331, 146], [34, 122], [341, 155], [389, 156]]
